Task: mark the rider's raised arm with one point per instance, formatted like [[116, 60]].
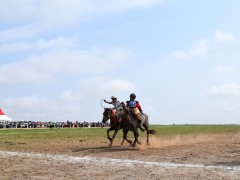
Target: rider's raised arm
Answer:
[[107, 101]]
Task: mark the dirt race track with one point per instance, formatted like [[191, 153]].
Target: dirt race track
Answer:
[[215, 156]]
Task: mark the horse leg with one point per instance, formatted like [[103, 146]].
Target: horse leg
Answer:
[[128, 140], [148, 143], [125, 137], [148, 132], [146, 127], [114, 135], [109, 138], [135, 132], [137, 139], [137, 135], [122, 142]]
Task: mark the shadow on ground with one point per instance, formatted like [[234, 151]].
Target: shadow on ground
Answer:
[[233, 163], [103, 149]]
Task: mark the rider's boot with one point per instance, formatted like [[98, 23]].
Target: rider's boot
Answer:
[[140, 125]]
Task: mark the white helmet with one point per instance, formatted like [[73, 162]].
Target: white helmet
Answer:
[[113, 97]]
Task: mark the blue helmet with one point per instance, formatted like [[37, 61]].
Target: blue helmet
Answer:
[[133, 96]]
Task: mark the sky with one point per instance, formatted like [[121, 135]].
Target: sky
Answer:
[[60, 58]]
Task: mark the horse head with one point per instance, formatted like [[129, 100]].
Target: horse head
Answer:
[[108, 113], [123, 112], [120, 109]]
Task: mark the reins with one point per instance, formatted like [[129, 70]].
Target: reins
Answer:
[[102, 103]]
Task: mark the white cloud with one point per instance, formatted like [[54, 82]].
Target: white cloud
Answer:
[[224, 70], [220, 106], [30, 101], [19, 73], [29, 107], [102, 86], [22, 32], [180, 54], [64, 10], [224, 37], [117, 86], [45, 67], [90, 91], [231, 89], [44, 15], [69, 104], [36, 108], [58, 43], [96, 88], [199, 49], [71, 96]]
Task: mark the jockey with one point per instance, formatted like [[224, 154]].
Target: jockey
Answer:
[[115, 104], [135, 106]]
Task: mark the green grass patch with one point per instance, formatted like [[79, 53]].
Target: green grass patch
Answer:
[[42, 134], [31, 136], [194, 129]]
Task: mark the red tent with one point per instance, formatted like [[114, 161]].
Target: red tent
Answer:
[[3, 117], [1, 112]]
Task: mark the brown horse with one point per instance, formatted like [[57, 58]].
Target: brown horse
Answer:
[[110, 113], [127, 115]]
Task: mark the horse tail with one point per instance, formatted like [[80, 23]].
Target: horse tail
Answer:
[[152, 131]]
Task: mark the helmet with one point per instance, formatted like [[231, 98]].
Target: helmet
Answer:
[[133, 95], [113, 97]]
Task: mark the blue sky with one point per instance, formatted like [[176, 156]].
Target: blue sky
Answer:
[[59, 58]]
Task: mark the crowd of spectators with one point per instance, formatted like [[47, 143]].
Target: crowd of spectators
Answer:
[[38, 124]]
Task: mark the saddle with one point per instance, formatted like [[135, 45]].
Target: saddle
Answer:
[[113, 113], [136, 115]]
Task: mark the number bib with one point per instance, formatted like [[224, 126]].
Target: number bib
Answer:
[[132, 104]]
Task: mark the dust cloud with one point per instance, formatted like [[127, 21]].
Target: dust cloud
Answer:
[[165, 141]]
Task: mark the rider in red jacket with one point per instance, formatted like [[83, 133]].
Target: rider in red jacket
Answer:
[[135, 106]]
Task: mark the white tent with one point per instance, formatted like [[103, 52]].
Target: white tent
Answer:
[[3, 117]]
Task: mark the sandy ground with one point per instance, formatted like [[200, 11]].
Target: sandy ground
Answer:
[[215, 156]]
